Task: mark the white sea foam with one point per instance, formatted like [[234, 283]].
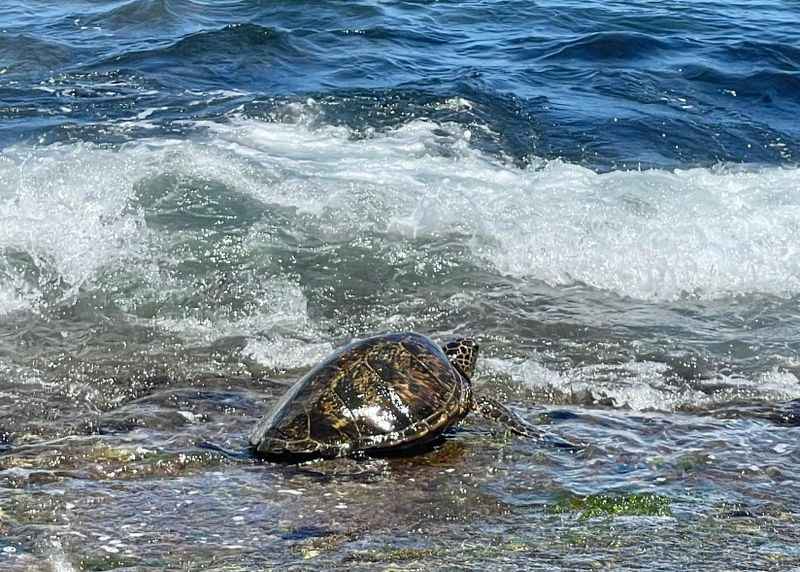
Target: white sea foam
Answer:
[[65, 207], [15, 295], [283, 353], [280, 303], [653, 234], [640, 385], [282, 308]]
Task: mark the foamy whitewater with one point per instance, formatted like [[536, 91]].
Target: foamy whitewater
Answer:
[[200, 201], [78, 210]]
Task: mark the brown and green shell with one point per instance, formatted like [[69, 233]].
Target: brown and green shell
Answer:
[[383, 393]]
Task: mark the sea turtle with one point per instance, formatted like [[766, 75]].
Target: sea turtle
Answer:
[[381, 394]]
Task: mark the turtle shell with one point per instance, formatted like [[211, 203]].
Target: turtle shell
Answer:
[[378, 394]]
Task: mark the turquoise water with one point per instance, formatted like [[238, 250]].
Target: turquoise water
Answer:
[[199, 201]]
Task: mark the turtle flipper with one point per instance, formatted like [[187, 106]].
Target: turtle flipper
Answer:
[[499, 413]]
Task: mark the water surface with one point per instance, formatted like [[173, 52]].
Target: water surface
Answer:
[[200, 200]]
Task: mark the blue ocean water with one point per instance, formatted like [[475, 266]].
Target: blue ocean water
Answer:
[[608, 85], [201, 199]]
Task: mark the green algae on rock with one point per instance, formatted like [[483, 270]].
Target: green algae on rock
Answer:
[[613, 505]]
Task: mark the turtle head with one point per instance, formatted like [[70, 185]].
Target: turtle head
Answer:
[[462, 353]]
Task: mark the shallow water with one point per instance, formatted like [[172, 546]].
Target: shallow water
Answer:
[[198, 201]]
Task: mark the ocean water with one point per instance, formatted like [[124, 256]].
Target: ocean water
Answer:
[[201, 199]]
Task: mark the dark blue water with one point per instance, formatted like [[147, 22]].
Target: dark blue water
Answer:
[[610, 84], [199, 200]]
